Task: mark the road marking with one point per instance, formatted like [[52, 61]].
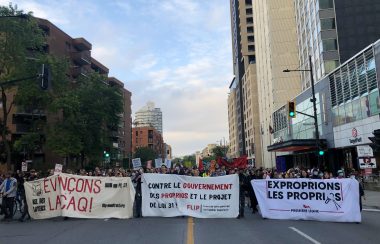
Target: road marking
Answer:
[[371, 210], [190, 231], [304, 235]]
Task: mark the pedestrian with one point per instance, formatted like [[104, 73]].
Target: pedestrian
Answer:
[[8, 190], [25, 212], [242, 185], [138, 195]]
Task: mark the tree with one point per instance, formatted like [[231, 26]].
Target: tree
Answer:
[[20, 36], [145, 154], [219, 151], [90, 114]]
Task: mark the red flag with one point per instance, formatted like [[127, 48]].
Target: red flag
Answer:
[[200, 165]]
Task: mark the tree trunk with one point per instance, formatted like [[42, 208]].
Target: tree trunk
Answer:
[[4, 128]]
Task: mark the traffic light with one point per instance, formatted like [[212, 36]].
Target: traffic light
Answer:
[[106, 153], [291, 109], [321, 152], [45, 77], [375, 145]]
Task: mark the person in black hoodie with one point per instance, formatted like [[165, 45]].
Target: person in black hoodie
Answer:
[[242, 187], [138, 196], [251, 192]]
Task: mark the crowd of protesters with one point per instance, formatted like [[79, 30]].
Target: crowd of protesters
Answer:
[[12, 188]]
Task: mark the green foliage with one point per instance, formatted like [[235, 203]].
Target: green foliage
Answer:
[[19, 36], [90, 114], [145, 154], [220, 151], [21, 43]]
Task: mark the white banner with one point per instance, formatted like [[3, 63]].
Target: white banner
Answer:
[[334, 200], [80, 197], [178, 195]]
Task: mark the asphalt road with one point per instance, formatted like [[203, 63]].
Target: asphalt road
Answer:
[[252, 229]]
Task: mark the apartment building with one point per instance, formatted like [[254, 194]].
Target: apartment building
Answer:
[[148, 136], [149, 116], [78, 53]]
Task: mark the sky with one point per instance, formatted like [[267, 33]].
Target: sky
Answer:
[[175, 53]]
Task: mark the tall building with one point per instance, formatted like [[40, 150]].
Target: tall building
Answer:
[[332, 31], [244, 124], [233, 151], [276, 50], [149, 116], [238, 69]]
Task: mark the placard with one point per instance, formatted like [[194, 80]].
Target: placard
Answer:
[[24, 166], [334, 200], [158, 163], [80, 197], [169, 195], [136, 162], [58, 169]]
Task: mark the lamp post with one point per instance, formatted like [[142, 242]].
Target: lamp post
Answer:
[[317, 144]]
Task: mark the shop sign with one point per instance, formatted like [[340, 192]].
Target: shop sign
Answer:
[[367, 163], [364, 151], [355, 138]]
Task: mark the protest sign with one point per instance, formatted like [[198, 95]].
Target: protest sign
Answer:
[[305, 199], [80, 197], [136, 162], [178, 195], [168, 163], [24, 166], [58, 169], [158, 162]]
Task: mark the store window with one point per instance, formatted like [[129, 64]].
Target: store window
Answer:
[[356, 110], [364, 102], [374, 102]]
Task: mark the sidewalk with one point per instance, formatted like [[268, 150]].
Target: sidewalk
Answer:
[[372, 199]]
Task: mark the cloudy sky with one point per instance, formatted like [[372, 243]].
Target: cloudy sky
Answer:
[[176, 53]]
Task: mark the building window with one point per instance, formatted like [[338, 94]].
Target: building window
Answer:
[[330, 65], [250, 29], [137, 133], [250, 20], [330, 45], [248, 11], [327, 24], [251, 48], [325, 4], [251, 39]]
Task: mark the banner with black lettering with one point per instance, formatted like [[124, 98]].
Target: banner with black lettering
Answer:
[[334, 200], [179, 195], [80, 197]]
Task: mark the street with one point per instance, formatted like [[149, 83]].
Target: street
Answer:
[[251, 229]]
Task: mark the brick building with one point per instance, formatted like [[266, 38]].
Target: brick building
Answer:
[[78, 53], [148, 137]]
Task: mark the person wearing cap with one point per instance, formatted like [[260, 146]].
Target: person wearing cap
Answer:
[[340, 174], [8, 190]]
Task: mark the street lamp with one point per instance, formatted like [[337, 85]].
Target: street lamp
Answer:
[[314, 108]]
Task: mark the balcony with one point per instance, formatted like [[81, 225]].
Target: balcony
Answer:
[[76, 71], [82, 44], [81, 58]]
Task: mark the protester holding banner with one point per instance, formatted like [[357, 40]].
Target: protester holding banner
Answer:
[[138, 195]]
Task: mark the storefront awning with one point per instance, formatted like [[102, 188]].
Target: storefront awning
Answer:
[[295, 145]]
